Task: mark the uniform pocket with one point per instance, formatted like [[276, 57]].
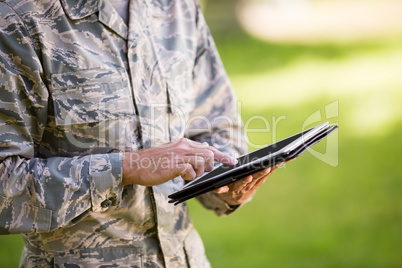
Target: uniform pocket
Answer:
[[94, 110], [91, 95], [25, 218], [181, 96], [100, 257], [181, 103]]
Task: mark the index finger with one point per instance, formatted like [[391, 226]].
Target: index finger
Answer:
[[222, 157]]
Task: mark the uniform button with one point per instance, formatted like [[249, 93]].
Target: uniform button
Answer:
[[107, 203]]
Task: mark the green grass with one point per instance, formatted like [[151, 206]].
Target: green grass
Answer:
[[10, 250], [309, 213]]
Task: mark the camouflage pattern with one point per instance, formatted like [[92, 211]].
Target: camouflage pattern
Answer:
[[78, 87]]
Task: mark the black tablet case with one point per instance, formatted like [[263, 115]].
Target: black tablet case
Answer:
[[268, 156]]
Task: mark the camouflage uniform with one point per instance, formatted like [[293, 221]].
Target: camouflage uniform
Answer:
[[78, 87]]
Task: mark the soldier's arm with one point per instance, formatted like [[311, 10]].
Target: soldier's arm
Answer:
[[218, 121], [40, 194]]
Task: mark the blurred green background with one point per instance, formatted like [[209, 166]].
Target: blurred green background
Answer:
[[338, 207], [334, 210]]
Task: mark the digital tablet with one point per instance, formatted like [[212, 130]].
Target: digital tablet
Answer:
[[268, 156]]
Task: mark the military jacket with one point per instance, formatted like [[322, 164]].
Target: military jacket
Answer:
[[78, 87]]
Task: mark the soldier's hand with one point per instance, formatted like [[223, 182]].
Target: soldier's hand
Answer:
[[185, 158], [242, 190]]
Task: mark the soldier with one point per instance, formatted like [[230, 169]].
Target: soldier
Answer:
[[102, 116]]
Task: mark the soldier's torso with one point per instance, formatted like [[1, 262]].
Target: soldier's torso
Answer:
[[114, 88]]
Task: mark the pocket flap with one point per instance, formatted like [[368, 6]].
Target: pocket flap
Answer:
[[91, 95]]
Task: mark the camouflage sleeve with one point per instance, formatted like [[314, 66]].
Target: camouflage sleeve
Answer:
[[215, 119], [40, 194]]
